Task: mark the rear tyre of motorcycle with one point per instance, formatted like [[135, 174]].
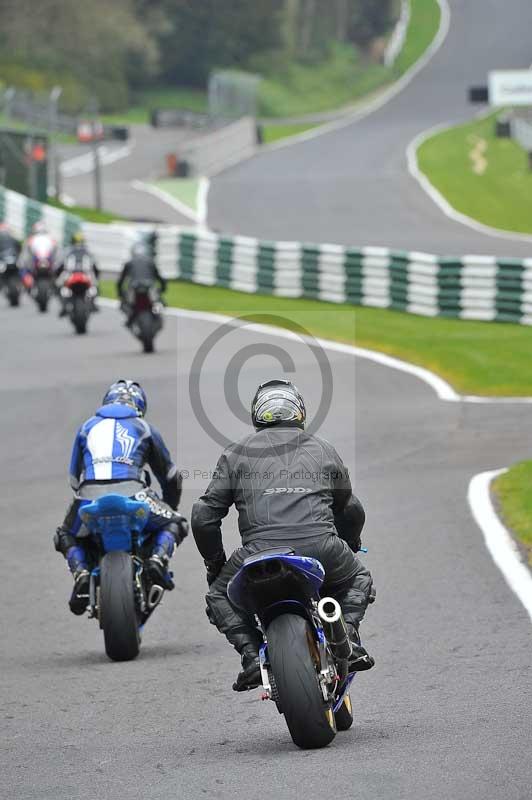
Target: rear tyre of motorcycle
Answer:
[[13, 294], [79, 314], [42, 299], [295, 664], [118, 615], [146, 325], [344, 715]]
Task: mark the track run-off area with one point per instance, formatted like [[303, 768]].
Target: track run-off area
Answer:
[[446, 711]]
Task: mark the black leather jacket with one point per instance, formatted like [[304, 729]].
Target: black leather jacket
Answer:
[[140, 269], [285, 484]]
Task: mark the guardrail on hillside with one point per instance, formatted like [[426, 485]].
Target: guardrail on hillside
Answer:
[[472, 287], [209, 154]]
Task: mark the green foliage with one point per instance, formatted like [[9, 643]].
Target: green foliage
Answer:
[[513, 491], [370, 19], [209, 34], [502, 195], [481, 358], [121, 51], [100, 44], [301, 89]]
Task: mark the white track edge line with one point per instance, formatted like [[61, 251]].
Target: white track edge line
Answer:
[[169, 199], [498, 540], [442, 389], [202, 200]]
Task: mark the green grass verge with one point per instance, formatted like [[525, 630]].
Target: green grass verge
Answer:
[[501, 196], [424, 24], [273, 133], [183, 189], [88, 214], [475, 357], [513, 491]]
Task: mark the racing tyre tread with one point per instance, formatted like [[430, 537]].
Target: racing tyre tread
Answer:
[[118, 615], [310, 720]]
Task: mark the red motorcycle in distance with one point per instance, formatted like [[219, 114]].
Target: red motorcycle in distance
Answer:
[[77, 295]]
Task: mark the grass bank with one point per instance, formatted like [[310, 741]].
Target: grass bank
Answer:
[[513, 492], [87, 214], [183, 189], [273, 133], [475, 357], [480, 175]]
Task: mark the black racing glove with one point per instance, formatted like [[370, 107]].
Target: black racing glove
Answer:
[[214, 567]]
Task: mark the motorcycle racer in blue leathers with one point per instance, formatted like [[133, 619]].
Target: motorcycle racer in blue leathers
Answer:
[[109, 454]]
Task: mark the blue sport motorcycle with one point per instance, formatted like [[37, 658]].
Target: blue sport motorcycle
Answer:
[[120, 597], [304, 660]]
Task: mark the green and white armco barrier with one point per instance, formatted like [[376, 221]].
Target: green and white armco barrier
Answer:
[[20, 213], [472, 287], [111, 244]]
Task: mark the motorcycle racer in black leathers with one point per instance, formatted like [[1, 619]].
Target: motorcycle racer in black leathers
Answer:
[[140, 269], [292, 489]]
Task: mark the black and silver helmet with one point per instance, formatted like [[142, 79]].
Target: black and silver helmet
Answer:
[[278, 402]]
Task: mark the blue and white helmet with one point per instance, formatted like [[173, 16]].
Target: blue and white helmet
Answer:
[[129, 393]]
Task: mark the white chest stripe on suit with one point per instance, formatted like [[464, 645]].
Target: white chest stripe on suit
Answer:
[[100, 442]]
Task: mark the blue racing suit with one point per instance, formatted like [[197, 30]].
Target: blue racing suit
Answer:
[[109, 454]]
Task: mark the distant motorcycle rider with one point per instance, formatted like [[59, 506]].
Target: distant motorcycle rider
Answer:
[[39, 246], [77, 258], [9, 246], [290, 488], [110, 452], [140, 269]]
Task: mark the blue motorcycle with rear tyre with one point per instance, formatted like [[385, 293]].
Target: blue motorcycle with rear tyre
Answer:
[[304, 659], [120, 596]]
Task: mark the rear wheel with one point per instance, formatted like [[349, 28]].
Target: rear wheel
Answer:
[[13, 292], [118, 615], [294, 662], [344, 715], [146, 325], [80, 314], [42, 298]]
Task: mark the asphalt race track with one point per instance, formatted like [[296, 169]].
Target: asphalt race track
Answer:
[[352, 186], [446, 711]]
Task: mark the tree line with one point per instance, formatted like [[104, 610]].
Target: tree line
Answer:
[[111, 48]]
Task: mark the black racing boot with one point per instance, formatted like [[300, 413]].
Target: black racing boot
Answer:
[[79, 599], [360, 659], [157, 571], [249, 677]]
